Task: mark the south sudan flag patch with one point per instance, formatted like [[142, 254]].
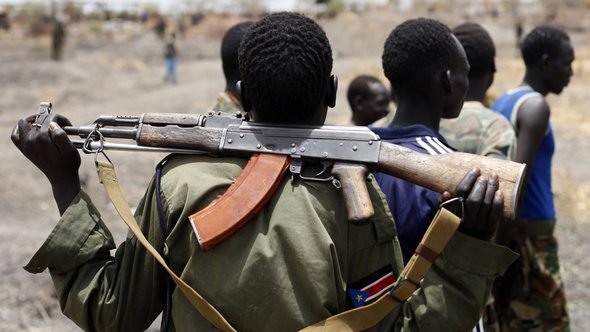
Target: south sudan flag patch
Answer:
[[371, 287]]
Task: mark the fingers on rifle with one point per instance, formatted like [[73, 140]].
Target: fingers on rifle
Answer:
[[20, 133], [498, 206], [59, 136], [464, 187], [475, 199], [15, 136], [488, 200], [445, 196], [59, 119]]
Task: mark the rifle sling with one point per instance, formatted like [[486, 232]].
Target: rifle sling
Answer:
[[436, 237], [108, 177], [242, 200]]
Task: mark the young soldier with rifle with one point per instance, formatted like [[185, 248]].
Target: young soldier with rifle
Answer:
[[293, 262]]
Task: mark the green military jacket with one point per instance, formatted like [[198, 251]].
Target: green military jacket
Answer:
[[287, 268], [481, 131]]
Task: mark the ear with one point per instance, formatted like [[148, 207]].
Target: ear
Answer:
[[445, 79], [246, 105], [331, 91]]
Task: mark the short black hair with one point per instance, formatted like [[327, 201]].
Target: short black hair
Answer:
[[285, 62], [413, 51], [543, 39], [230, 44], [359, 86], [478, 46]]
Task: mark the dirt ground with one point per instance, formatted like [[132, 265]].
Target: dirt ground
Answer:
[[120, 72]]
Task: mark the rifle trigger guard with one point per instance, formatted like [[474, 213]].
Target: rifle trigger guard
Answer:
[[296, 166]]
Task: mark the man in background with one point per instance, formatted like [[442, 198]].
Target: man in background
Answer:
[[531, 295], [478, 129], [228, 101], [368, 99]]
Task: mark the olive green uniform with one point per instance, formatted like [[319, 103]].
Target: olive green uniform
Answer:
[[287, 268], [481, 131]]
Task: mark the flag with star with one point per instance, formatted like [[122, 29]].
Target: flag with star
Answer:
[[371, 287]]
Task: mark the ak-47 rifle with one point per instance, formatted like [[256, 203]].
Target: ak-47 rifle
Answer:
[[348, 153]]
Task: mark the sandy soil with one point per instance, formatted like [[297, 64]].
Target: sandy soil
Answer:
[[120, 72]]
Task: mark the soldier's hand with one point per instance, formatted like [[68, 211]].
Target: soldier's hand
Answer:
[[48, 147], [483, 204]]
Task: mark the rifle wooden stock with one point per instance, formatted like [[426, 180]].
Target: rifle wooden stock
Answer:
[[444, 171]]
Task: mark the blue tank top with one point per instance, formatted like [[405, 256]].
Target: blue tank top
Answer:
[[538, 195]]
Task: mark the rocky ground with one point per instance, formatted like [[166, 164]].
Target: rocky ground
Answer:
[[120, 72]]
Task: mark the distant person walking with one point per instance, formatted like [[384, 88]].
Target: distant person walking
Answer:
[[170, 55], [58, 38]]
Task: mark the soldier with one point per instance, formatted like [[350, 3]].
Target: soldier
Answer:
[[531, 295], [428, 69], [368, 99], [419, 54], [478, 129], [288, 267], [229, 100]]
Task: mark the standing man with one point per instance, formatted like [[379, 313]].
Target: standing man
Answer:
[[427, 68], [532, 294], [478, 129], [368, 99], [288, 267], [229, 100]]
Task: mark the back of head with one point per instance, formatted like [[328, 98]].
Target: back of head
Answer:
[[413, 52], [359, 86], [285, 63], [230, 45], [542, 40], [479, 48]]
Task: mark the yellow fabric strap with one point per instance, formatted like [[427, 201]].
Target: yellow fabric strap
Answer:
[[439, 232], [108, 177]]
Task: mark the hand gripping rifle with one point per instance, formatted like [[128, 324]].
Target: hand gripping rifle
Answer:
[[347, 153]]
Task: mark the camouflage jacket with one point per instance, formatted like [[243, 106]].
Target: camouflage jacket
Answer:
[[481, 131]]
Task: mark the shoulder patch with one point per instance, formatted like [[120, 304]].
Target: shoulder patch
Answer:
[[371, 287]]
